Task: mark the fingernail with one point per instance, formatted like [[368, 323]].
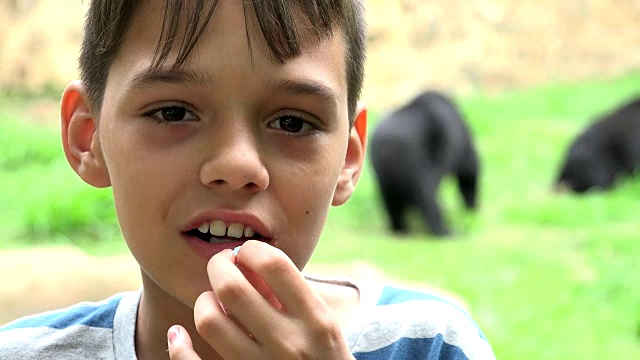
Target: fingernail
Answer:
[[173, 333], [235, 250]]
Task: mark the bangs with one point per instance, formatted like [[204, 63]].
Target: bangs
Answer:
[[285, 28]]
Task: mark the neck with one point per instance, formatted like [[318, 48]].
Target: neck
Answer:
[[158, 311]]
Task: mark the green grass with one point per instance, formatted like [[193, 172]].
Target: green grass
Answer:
[[546, 276], [42, 201]]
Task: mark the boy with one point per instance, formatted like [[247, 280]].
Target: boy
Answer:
[[218, 125]]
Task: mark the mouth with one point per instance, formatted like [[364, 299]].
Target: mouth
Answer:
[[217, 232]]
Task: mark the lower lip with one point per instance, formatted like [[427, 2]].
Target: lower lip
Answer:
[[207, 250]]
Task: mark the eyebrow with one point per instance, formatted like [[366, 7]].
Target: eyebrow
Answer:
[[187, 76], [169, 76], [306, 87]]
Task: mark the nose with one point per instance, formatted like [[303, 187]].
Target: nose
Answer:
[[236, 163]]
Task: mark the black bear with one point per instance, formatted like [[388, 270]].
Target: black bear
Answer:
[[412, 149], [605, 151]]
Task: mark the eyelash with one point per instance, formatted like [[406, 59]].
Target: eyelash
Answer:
[[168, 123], [313, 127], [188, 113]]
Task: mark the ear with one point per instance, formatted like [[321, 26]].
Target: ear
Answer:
[[80, 138], [354, 159]]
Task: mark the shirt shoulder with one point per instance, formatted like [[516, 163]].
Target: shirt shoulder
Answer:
[[81, 331], [402, 323]]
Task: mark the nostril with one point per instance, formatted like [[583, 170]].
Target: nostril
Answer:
[[222, 175], [252, 186], [249, 185]]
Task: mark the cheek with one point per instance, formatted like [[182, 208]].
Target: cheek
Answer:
[[142, 181], [308, 183], [138, 203], [306, 192]]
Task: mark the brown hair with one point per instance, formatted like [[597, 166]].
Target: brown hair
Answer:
[[280, 22]]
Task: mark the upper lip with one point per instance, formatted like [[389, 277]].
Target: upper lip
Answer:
[[229, 217]]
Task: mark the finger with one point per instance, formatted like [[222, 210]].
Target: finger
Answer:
[[281, 277], [229, 279], [224, 334], [307, 321], [238, 296], [256, 281], [180, 346]]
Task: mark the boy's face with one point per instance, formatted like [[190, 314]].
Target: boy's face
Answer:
[[231, 136]]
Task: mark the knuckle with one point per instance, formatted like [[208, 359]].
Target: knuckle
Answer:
[[293, 349], [325, 330], [325, 326], [275, 264], [229, 290], [208, 322], [319, 337]]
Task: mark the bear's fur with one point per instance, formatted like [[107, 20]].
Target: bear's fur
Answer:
[[606, 151], [412, 149]]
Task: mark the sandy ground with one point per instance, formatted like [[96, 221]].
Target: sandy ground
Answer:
[[40, 279]]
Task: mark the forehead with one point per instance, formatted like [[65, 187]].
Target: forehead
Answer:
[[232, 40]]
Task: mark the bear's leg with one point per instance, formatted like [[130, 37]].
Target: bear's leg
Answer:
[[395, 206], [430, 208], [467, 175], [468, 185]]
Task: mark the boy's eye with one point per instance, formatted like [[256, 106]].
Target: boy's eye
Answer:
[[291, 124], [172, 114]]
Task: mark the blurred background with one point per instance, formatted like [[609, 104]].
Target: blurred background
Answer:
[[545, 275]]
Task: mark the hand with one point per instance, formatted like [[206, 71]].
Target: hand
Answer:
[[261, 307]]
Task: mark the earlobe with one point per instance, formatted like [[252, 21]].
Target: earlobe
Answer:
[[80, 139], [354, 159]]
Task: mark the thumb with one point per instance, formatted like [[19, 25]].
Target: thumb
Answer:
[[180, 346]]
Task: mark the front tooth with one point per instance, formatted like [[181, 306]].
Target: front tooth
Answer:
[[217, 228], [235, 230], [204, 228], [248, 232]]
